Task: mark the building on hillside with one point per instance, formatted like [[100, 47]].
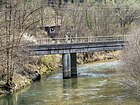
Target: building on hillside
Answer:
[[51, 30]]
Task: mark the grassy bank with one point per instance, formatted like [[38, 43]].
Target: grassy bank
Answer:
[[27, 74], [101, 56]]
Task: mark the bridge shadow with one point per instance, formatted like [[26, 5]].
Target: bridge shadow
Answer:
[[70, 83]]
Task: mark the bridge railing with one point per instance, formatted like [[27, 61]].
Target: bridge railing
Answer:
[[88, 39]]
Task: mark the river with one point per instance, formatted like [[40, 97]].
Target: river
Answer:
[[97, 84]]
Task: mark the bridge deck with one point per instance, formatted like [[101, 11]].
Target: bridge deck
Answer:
[[76, 47], [77, 44]]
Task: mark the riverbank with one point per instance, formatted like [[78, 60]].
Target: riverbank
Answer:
[[46, 65], [96, 85], [98, 56], [30, 73]]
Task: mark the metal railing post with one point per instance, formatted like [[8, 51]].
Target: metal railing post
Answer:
[[82, 39]]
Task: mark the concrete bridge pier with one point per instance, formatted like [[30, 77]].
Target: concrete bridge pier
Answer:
[[73, 65], [66, 62], [69, 65]]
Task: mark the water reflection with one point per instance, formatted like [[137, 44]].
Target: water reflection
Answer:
[[70, 83], [8, 100], [12, 99]]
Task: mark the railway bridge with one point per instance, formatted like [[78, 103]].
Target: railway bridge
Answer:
[[69, 46]]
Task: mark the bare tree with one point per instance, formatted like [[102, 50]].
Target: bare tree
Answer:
[[17, 17], [131, 57], [127, 13]]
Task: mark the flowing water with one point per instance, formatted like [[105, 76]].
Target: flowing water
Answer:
[[97, 84]]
